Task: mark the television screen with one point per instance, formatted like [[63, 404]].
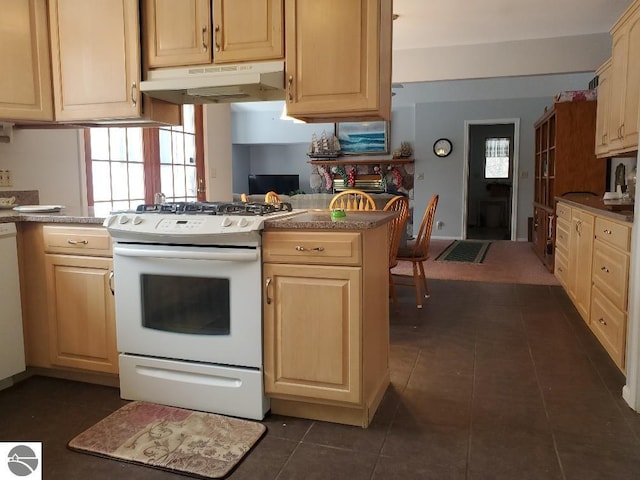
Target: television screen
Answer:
[[284, 184]]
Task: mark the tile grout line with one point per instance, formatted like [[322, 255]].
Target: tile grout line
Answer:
[[593, 365], [284, 465], [393, 417], [544, 403], [473, 390]]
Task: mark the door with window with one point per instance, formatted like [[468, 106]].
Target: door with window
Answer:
[[490, 183]]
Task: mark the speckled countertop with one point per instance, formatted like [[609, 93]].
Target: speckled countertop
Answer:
[[62, 217], [308, 220], [321, 220], [615, 209]]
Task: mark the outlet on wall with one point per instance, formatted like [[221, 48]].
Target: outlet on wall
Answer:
[[5, 178], [439, 224]]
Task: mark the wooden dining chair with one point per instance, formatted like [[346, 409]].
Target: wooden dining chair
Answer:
[[398, 204], [418, 253], [352, 200], [272, 197]]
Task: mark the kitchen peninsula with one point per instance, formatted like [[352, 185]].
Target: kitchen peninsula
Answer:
[[325, 304], [326, 315]]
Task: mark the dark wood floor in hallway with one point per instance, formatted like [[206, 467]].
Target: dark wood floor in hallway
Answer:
[[489, 381]]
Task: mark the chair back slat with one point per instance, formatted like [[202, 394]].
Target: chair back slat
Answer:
[[398, 204], [272, 197], [421, 246], [352, 200]]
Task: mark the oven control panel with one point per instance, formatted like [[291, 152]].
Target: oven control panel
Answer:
[[188, 229]]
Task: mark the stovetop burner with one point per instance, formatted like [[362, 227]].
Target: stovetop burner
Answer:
[[215, 208]]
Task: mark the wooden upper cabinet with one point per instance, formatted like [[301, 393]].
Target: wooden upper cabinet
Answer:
[[616, 91], [176, 32], [25, 83], [629, 127], [189, 32], [621, 108], [247, 30], [602, 111], [338, 57], [95, 52]]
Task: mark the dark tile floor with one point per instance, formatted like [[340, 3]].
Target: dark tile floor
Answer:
[[489, 381]]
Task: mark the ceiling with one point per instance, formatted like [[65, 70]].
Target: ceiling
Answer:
[[440, 23]]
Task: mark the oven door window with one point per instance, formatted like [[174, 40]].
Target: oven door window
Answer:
[[191, 305]]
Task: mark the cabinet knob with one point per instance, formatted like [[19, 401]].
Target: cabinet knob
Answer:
[[604, 269], [602, 321], [607, 231], [205, 45], [266, 287], [300, 248], [217, 39], [77, 242], [111, 283], [290, 87]]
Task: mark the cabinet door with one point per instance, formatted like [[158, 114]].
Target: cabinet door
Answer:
[[338, 56], [177, 32], [602, 112], [247, 30], [580, 259], [312, 332], [95, 58], [81, 313], [617, 90], [25, 83], [631, 103]]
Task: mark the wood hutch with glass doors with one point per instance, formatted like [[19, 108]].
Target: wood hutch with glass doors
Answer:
[[565, 162]]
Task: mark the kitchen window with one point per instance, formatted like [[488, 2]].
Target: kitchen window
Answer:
[[126, 166], [496, 164]]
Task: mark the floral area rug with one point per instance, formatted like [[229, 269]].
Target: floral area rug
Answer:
[[203, 445]]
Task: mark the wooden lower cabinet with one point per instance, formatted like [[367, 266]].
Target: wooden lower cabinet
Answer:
[[326, 324], [82, 330], [313, 335], [595, 273], [67, 303], [580, 251]]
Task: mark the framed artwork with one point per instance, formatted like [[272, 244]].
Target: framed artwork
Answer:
[[363, 138]]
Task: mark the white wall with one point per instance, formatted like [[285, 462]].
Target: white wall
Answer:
[[570, 54], [50, 161]]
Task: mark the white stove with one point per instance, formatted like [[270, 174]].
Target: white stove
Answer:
[[188, 297], [198, 223]]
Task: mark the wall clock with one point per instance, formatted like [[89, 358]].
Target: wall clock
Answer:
[[442, 147]]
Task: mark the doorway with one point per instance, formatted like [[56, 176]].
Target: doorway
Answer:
[[491, 180]]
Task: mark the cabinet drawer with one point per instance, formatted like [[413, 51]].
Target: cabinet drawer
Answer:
[[77, 240], [561, 268], [611, 273], [609, 324], [333, 248], [562, 235], [563, 211], [616, 234]]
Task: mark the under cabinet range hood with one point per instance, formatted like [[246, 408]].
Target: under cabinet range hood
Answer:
[[239, 82]]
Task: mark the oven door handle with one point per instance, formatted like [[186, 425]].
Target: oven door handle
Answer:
[[248, 256]]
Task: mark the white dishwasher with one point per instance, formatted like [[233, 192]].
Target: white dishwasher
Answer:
[[11, 338]]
